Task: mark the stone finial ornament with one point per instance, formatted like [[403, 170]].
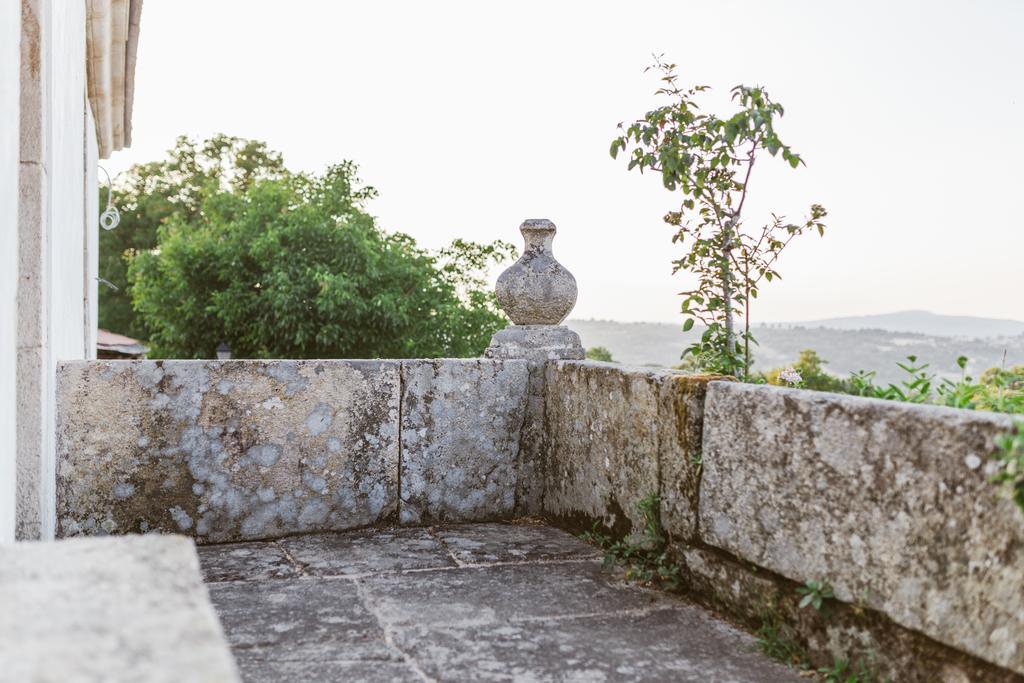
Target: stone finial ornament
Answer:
[[537, 293], [537, 289]]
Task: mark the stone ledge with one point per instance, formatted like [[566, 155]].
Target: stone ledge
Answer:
[[116, 610], [889, 503]]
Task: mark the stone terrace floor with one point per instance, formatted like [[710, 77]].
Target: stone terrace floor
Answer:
[[474, 602]]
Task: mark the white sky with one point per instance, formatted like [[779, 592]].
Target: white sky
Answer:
[[469, 117]]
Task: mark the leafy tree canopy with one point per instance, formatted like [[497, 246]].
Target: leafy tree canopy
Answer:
[[148, 195], [231, 246]]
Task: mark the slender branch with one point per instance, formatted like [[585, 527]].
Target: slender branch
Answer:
[[746, 179]]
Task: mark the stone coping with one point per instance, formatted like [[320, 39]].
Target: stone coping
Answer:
[[125, 609]]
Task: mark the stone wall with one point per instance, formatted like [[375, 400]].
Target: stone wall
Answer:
[[760, 489], [889, 503], [616, 435], [763, 489], [256, 449]]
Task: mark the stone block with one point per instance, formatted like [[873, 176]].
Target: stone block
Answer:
[[616, 435], [682, 645], [367, 551], [474, 544], [30, 488], [461, 422], [229, 450], [530, 463], [680, 450], [537, 343], [889, 503], [256, 560], [114, 609]]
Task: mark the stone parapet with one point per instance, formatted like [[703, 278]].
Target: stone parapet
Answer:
[[759, 489], [889, 503], [233, 450]]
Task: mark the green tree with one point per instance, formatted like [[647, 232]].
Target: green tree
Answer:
[[290, 265], [600, 353], [709, 161], [148, 195]]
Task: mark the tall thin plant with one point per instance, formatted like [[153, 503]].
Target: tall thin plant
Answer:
[[710, 161]]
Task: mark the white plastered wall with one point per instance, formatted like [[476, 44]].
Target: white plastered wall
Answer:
[[90, 226], [68, 173], [10, 69], [56, 222]]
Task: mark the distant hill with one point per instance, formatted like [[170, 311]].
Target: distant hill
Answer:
[[924, 322], [846, 350]]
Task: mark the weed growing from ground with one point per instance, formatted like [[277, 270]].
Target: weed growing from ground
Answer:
[[842, 671], [815, 593], [778, 641], [646, 558]]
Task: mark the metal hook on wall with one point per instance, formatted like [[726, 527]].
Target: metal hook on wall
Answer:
[[110, 217]]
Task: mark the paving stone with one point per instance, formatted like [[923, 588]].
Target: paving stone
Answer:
[[244, 562], [302, 618], [678, 644], [553, 614], [326, 671], [371, 550], [484, 595], [485, 543]]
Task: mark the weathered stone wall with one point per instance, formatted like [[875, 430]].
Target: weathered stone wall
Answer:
[[889, 503], [614, 436], [763, 489], [461, 424], [256, 449]]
